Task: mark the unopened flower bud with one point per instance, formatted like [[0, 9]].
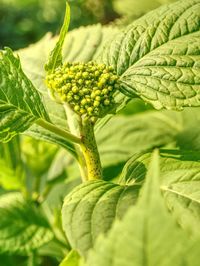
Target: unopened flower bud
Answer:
[[87, 87]]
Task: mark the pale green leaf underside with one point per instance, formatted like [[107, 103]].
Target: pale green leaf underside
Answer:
[[23, 227], [147, 235], [91, 208], [180, 183], [124, 135], [20, 103], [158, 56]]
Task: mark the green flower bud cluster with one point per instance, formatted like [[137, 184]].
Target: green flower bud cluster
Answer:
[[87, 87]]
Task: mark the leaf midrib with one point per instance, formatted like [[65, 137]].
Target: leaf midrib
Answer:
[[167, 189]]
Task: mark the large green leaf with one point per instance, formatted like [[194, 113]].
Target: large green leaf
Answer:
[[146, 236], [122, 136], [180, 183], [91, 208], [23, 226], [20, 103], [158, 56]]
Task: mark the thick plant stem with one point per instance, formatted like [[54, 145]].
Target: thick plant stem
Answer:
[[90, 151], [74, 126]]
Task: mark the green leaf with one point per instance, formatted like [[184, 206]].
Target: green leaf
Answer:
[[91, 208], [12, 167], [40, 133], [11, 179], [10, 152], [7, 260], [81, 45], [20, 103], [189, 137], [23, 227], [193, 253], [86, 43], [179, 183], [123, 135], [134, 8], [38, 155], [55, 57], [72, 259], [147, 235], [158, 56]]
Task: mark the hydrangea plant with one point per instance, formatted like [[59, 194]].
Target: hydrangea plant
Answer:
[[129, 178]]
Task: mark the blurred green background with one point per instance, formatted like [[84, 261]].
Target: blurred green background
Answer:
[[25, 21]]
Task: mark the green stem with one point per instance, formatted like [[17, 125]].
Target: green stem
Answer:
[[74, 122], [58, 131], [32, 259], [90, 151]]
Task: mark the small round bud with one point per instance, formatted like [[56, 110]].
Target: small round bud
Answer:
[[64, 89], [78, 75], [90, 109], [98, 98], [93, 95], [104, 92], [96, 103], [88, 82], [84, 102], [116, 86], [85, 74], [80, 81], [82, 111], [85, 91], [76, 108], [106, 102], [88, 99], [69, 98], [96, 73], [97, 92], [93, 119], [76, 97], [102, 81], [75, 89]]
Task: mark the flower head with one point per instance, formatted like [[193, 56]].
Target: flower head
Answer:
[[87, 87]]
